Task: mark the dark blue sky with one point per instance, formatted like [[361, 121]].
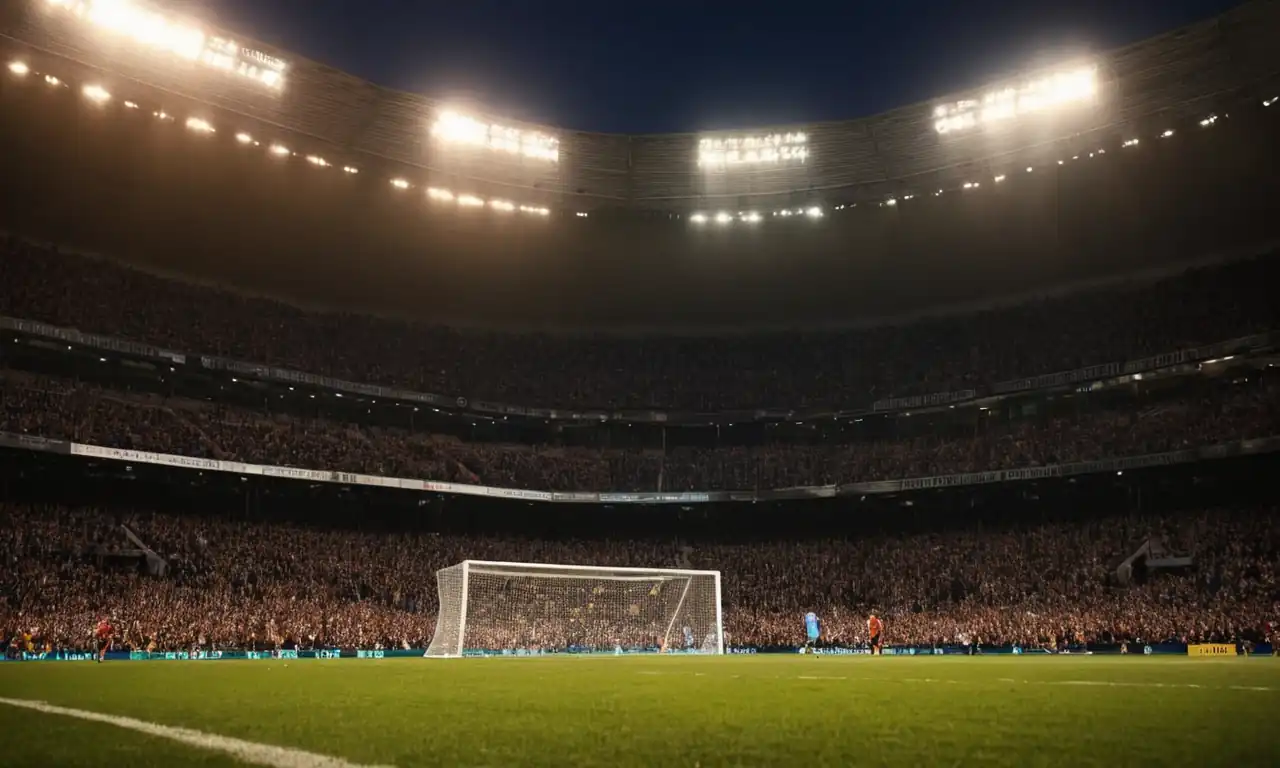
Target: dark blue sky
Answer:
[[640, 67]]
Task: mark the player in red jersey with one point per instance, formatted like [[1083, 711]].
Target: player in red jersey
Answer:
[[103, 634], [875, 628]]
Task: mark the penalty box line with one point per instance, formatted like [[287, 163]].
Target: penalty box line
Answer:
[[244, 751]]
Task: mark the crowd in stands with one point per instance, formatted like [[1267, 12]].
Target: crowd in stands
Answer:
[[267, 585], [846, 369], [63, 409]]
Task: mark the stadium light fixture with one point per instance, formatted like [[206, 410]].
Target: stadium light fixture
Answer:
[[51, 80], [318, 161], [19, 68], [162, 115], [96, 93], [537, 211], [244, 138], [1077, 86], [454, 128], [723, 218], [1270, 101], [350, 169], [1167, 134], [999, 178], [199, 126], [470, 201], [1130, 143], [1208, 121], [505, 206], [1030, 168], [751, 217], [280, 150], [444, 195], [582, 214], [698, 218], [814, 212], [399, 183], [907, 197], [891, 201], [721, 153], [130, 105]]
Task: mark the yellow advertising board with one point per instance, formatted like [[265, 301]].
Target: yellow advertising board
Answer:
[[1211, 649]]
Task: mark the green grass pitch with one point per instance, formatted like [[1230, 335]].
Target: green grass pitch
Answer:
[[650, 711]]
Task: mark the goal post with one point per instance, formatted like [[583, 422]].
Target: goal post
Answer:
[[506, 608]]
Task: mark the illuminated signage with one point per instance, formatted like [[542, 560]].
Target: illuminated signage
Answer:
[[721, 153], [453, 128], [154, 31], [1072, 87]]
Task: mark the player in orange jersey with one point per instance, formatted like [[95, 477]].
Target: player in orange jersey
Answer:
[[875, 629]]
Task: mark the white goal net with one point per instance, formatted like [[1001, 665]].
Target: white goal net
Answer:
[[493, 608]]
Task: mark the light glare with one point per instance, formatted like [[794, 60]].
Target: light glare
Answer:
[[96, 93], [19, 67]]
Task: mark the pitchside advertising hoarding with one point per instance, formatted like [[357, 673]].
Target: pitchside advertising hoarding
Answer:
[[1207, 651]]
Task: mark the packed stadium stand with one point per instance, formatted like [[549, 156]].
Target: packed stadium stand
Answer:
[[274, 351]]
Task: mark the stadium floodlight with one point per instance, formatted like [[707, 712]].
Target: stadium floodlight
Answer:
[[318, 161], [19, 68], [1130, 143], [96, 93], [350, 169], [400, 183], [147, 29], [891, 201], [506, 206], [582, 214], [454, 128], [51, 80], [723, 152], [751, 217], [470, 201], [1208, 121], [1068, 87], [723, 218], [813, 212], [1167, 134], [199, 126], [162, 115], [435, 193], [698, 218], [130, 105], [518, 609], [536, 210], [244, 138], [1270, 101], [999, 178], [280, 150]]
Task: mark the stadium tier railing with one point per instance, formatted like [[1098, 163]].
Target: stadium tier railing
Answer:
[[1169, 458], [1088, 374]]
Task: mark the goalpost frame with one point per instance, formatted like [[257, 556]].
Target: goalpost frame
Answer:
[[640, 574]]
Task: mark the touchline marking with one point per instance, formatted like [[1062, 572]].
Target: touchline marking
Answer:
[[244, 751], [1084, 683]]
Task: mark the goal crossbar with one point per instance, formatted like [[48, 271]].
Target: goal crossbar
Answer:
[[486, 564]]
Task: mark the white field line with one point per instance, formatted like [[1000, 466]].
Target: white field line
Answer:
[[933, 680], [244, 751]]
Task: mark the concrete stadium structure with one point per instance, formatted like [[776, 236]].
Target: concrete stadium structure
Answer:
[[1182, 74]]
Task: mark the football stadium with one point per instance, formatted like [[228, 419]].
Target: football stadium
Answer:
[[342, 426]]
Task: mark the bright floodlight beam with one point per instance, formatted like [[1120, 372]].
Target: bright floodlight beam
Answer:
[[19, 67], [455, 128], [96, 93]]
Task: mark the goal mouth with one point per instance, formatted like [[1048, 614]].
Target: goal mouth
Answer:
[[511, 609]]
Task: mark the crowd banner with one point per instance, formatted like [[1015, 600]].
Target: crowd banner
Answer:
[[92, 340], [1220, 451], [1211, 649], [923, 401]]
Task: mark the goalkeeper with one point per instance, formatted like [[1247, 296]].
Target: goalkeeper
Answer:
[[812, 631]]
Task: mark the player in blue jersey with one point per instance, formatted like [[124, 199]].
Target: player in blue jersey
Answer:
[[812, 630]]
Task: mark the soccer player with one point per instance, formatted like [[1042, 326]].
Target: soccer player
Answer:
[[103, 633], [811, 630], [875, 628]]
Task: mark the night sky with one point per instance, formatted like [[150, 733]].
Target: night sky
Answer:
[[640, 67]]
